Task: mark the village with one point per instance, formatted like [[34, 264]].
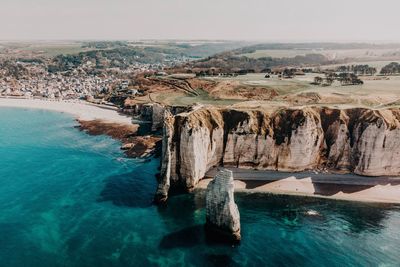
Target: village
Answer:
[[77, 84]]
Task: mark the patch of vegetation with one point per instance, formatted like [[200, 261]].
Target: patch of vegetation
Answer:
[[345, 78], [357, 69], [104, 44], [208, 49], [391, 69], [100, 59], [228, 62]]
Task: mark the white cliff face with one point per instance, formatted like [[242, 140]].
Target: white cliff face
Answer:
[[239, 145], [194, 154], [200, 151], [356, 140], [167, 159], [222, 213], [378, 151], [303, 149], [339, 152]]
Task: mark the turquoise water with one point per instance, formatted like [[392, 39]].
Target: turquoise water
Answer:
[[69, 199]]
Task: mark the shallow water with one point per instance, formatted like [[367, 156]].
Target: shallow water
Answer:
[[69, 199]]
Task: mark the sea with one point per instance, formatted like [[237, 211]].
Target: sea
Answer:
[[71, 199]]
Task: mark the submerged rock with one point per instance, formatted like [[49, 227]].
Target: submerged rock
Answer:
[[222, 214], [127, 146]]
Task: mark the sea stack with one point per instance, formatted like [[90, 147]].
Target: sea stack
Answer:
[[222, 213]]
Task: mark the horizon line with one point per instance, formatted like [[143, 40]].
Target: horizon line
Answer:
[[277, 41]]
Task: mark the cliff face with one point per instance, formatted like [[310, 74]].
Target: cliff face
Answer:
[[363, 141], [151, 112], [222, 213]]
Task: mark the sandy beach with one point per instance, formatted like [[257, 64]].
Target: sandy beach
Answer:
[[307, 186], [79, 109]]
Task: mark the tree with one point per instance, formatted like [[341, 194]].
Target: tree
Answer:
[[391, 69], [329, 80], [342, 69], [318, 80], [288, 73], [371, 71], [357, 69]]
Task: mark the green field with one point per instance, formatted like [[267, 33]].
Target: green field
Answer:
[[277, 53], [282, 86], [44, 48], [57, 49], [376, 91], [178, 99]]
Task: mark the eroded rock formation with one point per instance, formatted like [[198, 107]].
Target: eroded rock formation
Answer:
[[134, 146], [167, 161], [151, 112], [222, 213], [363, 141]]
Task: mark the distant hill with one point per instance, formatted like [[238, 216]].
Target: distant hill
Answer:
[[122, 54], [229, 62], [313, 46], [258, 57]]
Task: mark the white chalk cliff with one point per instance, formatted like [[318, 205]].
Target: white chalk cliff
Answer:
[[363, 141]]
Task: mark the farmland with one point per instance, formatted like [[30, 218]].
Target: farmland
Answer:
[[339, 54], [376, 92]]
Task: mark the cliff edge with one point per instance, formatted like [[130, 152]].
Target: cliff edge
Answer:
[[358, 140]]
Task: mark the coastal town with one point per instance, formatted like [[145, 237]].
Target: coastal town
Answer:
[[88, 74], [36, 82], [53, 86]]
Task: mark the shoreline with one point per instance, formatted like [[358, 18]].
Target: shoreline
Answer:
[[95, 119], [387, 193], [134, 145], [79, 109]]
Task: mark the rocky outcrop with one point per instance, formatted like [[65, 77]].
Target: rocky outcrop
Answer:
[[133, 145], [157, 116], [152, 113], [147, 112], [167, 160], [222, 213], [363, 141]]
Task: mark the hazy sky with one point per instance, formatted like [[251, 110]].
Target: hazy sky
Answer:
[[273, 20]]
